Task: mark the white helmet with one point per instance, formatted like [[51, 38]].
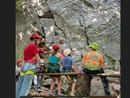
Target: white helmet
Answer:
[[67, 52]]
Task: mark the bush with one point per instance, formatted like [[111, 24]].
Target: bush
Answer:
[[18, 2]]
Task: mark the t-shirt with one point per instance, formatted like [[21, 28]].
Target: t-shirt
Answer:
[[30, 51], [67, 61], [92, 59]]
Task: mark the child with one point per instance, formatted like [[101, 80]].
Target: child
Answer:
[[68, 66], [38, 78], [18, 69]]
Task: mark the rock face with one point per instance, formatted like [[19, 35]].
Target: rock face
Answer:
[[78, 22]]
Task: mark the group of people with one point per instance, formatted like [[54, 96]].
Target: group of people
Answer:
[[92, 63]]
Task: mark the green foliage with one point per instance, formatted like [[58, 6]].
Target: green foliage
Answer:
[[18, 2]]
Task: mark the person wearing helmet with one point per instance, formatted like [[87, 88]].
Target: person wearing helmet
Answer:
[[28, 69], [54, 67], [93, 64], [68, 66], [18, 69]]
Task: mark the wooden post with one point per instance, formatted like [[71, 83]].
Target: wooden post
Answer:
[[82, 85]]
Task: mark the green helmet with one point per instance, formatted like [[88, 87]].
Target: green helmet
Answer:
[[93, 45]]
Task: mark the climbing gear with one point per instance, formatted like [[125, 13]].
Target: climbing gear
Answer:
[[53, 68], [93, 45], [40, 50], [29, 66], [55, 46], [67, 69], [35, 36], [67, 52]]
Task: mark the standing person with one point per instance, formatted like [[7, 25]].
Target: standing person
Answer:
[[68, 66], [93, 64], [38, 78], [18, 69], [28, 69], [54, 67]]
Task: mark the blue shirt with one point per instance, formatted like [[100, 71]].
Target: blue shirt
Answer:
[[67, 61]]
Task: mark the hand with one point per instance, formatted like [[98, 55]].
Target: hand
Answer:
[[77, 71]]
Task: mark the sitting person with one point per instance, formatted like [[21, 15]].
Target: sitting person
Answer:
[[93, 64]]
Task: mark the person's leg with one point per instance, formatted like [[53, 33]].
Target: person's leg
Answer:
[[38, 81], [26, 86], [90, 78], [35, 80], [68, 78], [73, 88], [19, 85], [105, 83], [106, 86], [52, 84], [59, 84]]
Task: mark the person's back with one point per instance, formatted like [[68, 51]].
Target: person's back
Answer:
[[53, 59], [67, 62], [92, 60], [93, 64]]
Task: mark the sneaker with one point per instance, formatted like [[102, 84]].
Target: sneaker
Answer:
[[71, 94], [51, 94], [39, 89], [59, 94]]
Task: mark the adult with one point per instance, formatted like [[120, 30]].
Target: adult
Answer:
[[54, 67], [93, 64], [31, 57]]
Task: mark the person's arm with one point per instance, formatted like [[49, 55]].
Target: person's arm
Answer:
[[101, 62], [37, 58], [84, 59], [60, 59], [35, 53]]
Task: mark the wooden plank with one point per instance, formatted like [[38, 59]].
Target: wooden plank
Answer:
[[72, 73], [57, 74], [106, 75]]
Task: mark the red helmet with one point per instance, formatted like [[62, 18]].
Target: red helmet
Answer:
[[41, 50], [35, 36], [19, 60], [55, 46]]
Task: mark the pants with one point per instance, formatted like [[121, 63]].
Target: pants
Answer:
[[103, 79], [24, 85]]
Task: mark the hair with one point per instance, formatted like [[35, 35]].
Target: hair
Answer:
[[41, 45], [41, 55], [55, 52], [93, 49], [70, 55], [32, 39]]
